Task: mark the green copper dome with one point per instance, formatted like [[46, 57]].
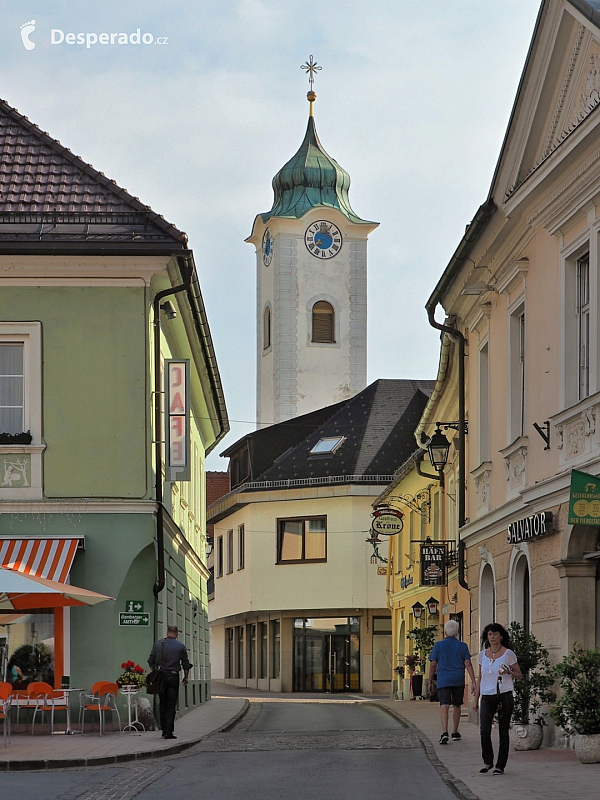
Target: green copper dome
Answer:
[[311, 178]]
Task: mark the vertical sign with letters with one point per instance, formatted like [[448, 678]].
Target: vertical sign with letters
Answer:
[[177, 408]]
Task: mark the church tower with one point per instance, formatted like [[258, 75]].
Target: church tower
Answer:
[[311, 267]]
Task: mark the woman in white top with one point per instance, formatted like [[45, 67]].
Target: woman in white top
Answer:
[[497, 668]]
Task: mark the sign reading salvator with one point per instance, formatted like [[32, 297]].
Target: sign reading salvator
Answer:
[[533, 527]]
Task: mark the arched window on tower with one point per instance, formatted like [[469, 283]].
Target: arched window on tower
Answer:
[[267, 328], [323, 323]]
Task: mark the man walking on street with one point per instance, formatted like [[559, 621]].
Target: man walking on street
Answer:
[[449, 659], [169, 656]]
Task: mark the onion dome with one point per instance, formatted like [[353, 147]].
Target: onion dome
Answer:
[[310, 178]]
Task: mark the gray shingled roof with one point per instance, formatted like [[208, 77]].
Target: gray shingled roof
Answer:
[[378, 425], [48, 194]]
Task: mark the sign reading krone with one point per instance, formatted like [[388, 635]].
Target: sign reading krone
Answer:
[[387, 521]]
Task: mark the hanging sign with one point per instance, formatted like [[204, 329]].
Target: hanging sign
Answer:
[[533, 527], [433, 565], [177, 408], [387, 521], [584, 500]]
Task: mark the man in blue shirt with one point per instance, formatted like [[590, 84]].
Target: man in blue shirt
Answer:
[[449, 659], [169, 656]]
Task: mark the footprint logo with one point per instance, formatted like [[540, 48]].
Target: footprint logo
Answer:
[[26, 30]]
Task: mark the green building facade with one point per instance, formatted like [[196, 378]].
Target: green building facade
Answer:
[[81, 263]]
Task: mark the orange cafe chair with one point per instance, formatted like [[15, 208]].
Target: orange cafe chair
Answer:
[[26, 698], [49, 702], [102, 700]]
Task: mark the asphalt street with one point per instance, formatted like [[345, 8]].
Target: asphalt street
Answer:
[[292, 750]]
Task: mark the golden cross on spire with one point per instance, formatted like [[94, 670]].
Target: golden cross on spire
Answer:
[[310, 68]]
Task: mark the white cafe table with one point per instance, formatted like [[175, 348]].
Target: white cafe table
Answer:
[[132, 724], [67, 692]]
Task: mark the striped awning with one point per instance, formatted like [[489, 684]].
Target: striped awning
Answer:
[[44, 558]]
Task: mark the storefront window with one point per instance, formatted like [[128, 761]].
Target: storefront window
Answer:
[[275, 648], [27, 643]]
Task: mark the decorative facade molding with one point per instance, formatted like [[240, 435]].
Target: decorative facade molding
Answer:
[[576, 432], [515, 464], [550, 140], [481, 477]]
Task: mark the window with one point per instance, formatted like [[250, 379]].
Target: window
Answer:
[[229, 551], [323, 323], [229, 652], [267, 328], [12, 398], [219, 557], [264, 644], [251, 671], [583, 324], [327, 445], [487, 597], [20, 378], [517, 374], [239, 647], [484, 405], [275, 647], [522, 599], [239, 467], [302, 540], [241, 547]]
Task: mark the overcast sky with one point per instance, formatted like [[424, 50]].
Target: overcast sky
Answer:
[[413, 101]]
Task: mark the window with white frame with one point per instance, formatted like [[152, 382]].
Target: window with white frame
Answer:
[[484, 405], [229, 551], [517, 373], [21, 379], [241, 547], [582, 311]]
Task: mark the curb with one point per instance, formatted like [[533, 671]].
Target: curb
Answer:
[[121, 758], [457, 786]]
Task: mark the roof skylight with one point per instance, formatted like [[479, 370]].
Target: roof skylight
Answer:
[[327, 445]]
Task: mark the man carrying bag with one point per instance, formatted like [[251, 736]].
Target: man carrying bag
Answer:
[[167, 657]]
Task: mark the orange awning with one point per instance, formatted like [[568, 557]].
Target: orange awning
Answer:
[[49, 558]]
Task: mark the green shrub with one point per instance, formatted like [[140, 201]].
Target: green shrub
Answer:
[[534, 689], [578, 708]]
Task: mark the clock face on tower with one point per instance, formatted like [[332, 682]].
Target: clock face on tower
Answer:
[[267, 247], [323, 239]]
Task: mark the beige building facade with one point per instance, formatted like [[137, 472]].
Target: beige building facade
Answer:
[[523, 290]]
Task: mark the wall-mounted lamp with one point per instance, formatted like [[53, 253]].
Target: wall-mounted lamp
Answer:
[[432, 606], [169, 309], [418, 610], [544, 432], [438, 448], [209, 547]]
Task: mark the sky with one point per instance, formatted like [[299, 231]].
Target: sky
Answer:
[[413, 101]]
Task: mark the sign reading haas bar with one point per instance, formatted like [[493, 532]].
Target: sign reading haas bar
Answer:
[[177, 380], [433, 565]]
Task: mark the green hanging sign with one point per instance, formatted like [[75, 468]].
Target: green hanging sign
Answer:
[[584, 500]]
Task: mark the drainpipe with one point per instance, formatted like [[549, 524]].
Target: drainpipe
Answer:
[[455, 333], [186, 269]]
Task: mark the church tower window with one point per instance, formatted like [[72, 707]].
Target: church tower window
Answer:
[[323, 323], [267, 328]]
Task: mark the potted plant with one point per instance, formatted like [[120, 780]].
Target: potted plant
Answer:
[[423, 640], [532, 691], [577, 710], [132, 675]]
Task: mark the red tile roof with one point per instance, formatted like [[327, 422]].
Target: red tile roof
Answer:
[[41, 177]]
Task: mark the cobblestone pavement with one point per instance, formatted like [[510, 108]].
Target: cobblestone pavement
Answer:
[[322, 740]]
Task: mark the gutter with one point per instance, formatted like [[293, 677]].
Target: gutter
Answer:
[[186, 268], [472, 234]]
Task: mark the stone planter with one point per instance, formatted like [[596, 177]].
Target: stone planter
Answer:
[[526, 737], [588, 748]]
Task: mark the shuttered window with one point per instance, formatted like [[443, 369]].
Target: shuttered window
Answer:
[[323, 323], [267, 328]]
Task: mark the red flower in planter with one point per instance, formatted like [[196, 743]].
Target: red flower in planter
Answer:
[[139, 669], [130, 664]]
